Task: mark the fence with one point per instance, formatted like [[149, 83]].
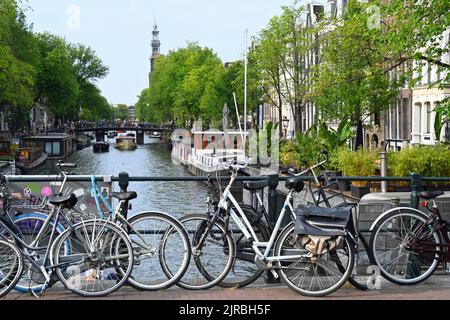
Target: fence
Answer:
[[124, 179]]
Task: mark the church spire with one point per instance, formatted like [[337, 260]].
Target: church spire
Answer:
[[156, 47]]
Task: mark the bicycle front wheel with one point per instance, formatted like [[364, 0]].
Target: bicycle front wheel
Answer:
[[100, 260], [313, 274], [244, 270], [11, 266], [159, 241], [212, 260], [404, 248]]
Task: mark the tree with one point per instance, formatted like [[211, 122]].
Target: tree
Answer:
[[56, 79], [95, 107], [367, 57], [288, 42], [121, 112], [17, 57], [186, 85]]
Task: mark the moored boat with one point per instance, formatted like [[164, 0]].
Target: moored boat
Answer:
[[126, 143], [30, 158], [101, 147]]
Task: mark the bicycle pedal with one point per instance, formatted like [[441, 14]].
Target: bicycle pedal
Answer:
[[275, 274]]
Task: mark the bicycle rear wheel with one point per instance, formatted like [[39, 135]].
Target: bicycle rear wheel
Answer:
[[313, 275], [29, 226], [404, 248], [11, 266]]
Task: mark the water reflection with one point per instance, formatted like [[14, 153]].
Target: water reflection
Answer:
[[176, 198]]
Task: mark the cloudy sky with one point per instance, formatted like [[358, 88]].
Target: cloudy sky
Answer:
[[121, 31]]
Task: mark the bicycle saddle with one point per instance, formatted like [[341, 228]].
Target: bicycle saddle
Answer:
[[124, 196], [65, 201], [295, 183], [256, 185], [428, 195]]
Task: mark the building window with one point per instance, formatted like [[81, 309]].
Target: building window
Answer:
[[417, 118], [405, 118], [428, 124], [53, 148]]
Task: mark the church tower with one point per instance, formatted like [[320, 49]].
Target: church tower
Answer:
[[156, 48]]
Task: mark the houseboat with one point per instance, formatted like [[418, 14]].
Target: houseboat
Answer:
[[101, 147], [206, 150], [125, 143], [57, 145], [30, 158]]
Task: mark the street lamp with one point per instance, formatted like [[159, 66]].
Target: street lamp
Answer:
[[285, 126]]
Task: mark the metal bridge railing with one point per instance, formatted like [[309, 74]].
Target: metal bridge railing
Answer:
[[124, 179]]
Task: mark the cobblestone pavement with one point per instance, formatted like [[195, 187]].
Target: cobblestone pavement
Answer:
[[435, 288]]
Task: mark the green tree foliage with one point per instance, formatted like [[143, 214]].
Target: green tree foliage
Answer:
[[369, 54], [46, 68], [95, 107], [17, 56], [121, 112], [186, 85], [56, 81]]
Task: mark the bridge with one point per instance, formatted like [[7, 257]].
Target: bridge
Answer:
[[101, 131]]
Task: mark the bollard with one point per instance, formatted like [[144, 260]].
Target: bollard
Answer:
[[273, 215], [416, 180], [383, 160]]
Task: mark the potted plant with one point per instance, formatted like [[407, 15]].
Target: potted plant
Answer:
[[358, 163]]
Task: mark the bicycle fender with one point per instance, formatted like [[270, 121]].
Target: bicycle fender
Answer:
[[384, 214]]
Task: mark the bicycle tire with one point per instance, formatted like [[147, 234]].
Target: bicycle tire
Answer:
[[392, 219], [287, 239], [194, 278], [106, 251], [12, 264], [26, 220], [173, 242], [244, 271]]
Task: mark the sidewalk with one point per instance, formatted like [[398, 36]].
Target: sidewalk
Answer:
[[435, 288]]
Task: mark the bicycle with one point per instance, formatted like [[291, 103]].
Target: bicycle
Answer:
[[151, 243], [281, 254], [408, 244], [91, 258], [328, 180], [244, 271]]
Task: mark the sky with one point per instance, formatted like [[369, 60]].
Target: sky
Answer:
[[121, 31]]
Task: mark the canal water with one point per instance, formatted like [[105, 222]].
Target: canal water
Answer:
[[175, 198]]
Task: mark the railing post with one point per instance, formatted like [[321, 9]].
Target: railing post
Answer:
[[124, 181], [383, 160], [273, 199], [273, 212], [416, 181]]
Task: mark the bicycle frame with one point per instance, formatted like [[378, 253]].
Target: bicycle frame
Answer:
[[247, 229]]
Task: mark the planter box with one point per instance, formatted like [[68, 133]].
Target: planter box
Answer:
[[359, 192]]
